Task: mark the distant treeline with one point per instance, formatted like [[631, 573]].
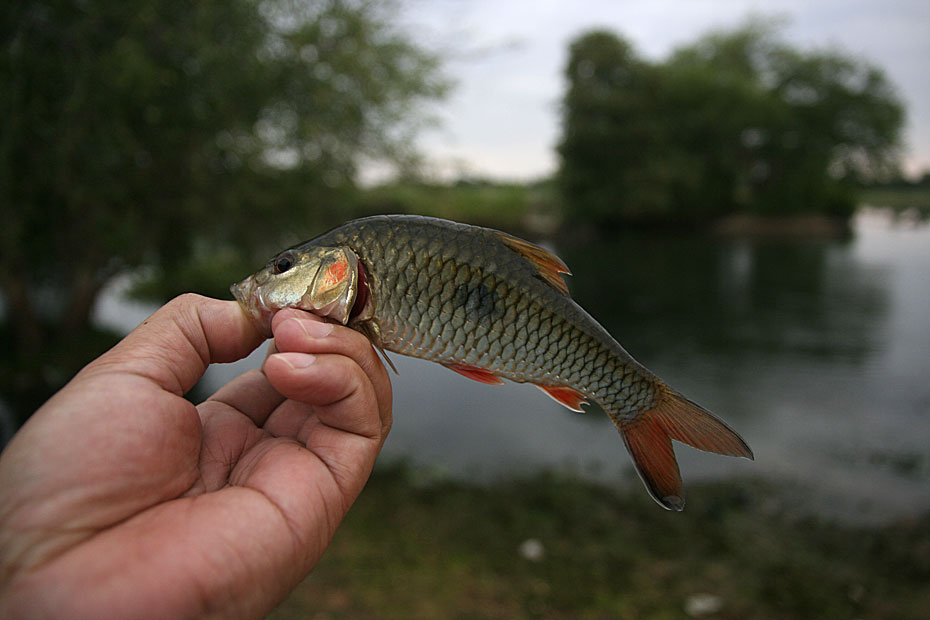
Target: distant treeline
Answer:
[[737, 122]]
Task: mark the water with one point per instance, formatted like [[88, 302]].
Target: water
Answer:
[[818, 352]]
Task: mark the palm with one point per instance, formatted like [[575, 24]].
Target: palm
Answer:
[[166, 507]]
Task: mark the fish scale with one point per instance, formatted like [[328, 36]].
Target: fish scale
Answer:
[[411, 322], [487, 305]]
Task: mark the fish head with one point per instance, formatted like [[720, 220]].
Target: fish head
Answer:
[[322, 280]]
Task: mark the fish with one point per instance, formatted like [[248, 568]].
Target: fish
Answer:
[[489, 306]]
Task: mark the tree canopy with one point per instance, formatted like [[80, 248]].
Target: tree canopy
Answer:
[[156, 132], [738, 121]]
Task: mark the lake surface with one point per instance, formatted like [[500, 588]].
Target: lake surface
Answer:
[[816, 351]]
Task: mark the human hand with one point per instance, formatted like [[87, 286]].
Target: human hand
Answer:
[[119, 498]]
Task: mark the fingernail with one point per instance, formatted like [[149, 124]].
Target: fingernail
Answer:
[[296, 360], [315, 329]]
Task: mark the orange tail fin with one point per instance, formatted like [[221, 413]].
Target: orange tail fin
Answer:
[[648, 438]]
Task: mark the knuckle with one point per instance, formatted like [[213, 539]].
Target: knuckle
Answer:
[[355, 380]]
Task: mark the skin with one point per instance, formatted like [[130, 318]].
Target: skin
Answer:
[[119, 498]]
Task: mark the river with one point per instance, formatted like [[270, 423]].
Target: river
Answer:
[[817, 351]]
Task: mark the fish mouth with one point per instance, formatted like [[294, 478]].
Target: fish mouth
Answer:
[[252, 304], [240, 292]]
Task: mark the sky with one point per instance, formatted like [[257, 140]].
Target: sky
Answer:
[[506, 57]]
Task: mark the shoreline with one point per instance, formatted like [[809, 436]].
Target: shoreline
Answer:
[[816, 226]]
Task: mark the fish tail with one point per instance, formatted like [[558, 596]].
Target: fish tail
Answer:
[[648, 438]]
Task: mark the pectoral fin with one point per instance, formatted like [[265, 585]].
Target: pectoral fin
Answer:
[[372, 331]]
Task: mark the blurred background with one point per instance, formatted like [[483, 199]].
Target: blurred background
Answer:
[[743, 197]]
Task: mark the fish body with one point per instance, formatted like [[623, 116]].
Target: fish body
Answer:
[[489, 306]]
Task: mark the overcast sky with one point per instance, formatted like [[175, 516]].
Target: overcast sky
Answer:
[[506, 57]]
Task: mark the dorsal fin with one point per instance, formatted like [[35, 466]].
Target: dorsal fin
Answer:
[[549, 266]]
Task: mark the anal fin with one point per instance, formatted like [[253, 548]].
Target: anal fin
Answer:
[[565, 396], [477, 374]]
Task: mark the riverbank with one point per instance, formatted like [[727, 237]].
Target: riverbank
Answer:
[[552, 546]]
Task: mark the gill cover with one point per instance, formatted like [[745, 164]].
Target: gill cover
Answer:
[[322, 280], [335, 285]]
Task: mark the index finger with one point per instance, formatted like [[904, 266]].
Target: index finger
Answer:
[[294, 330]]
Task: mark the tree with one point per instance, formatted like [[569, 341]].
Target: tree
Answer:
[[158, 132], [738, 121], [612, 144], [795, 125]]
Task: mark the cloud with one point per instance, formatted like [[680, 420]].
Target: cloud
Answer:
[[502, 119]]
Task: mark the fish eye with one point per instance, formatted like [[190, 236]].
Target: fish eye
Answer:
[[283, 262]]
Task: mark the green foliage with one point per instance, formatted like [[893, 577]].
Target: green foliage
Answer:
[[737, 122], [612, 143], [165, 133], [501, 205]]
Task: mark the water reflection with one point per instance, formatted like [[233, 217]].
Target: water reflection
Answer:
[[816, 351], [733, 298]]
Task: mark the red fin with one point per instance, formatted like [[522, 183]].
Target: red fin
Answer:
[[651, 449], [648, 438], [478, 374], [549, 266], [569, 397]]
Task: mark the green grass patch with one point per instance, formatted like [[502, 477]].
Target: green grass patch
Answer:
[[447, 549]]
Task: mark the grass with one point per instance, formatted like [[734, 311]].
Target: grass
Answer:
[[448, 549]]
